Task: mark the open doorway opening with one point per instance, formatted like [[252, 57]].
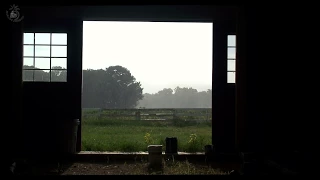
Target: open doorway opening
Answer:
[[145, 81]]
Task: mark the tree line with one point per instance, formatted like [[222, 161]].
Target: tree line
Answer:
[[177, 98], [115, 87]]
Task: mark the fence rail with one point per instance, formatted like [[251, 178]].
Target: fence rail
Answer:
[[152, 114]]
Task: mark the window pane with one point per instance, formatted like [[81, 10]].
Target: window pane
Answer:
[[42, 63], [231, 77], [42, 51], [28, 50], [59, 39], [28, 63], [231, 53], [231, 40], [59, 51], [59, 75], [42, 38], [231, 65], [59, 63], [28, 38], [27, 75], [41, 75]]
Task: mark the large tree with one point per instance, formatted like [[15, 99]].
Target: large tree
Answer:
[[114, 87]]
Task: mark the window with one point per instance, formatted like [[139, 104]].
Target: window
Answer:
[[231, 64], [45, 57]]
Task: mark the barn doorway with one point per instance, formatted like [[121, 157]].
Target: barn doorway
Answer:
[[145, 81]]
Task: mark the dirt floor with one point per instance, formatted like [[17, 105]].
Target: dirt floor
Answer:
[[121, 168]]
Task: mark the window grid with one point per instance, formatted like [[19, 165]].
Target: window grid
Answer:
[[34, 54], [50, 56], [45, 44], [33, 70], [231, 59]]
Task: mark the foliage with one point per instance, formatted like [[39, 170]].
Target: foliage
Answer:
[[177, 98], [148, 139], [114, 87], [103, 134]]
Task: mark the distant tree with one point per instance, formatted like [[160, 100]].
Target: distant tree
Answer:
[[166, 92], [93, 89], [58, 74], [163, 98], [186, 97], [36, 74], [177, 98], [28, 74], [122, 89], [114, 87]]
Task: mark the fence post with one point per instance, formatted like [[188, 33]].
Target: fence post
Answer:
[[207, 112], [138, 116], [100, 113]]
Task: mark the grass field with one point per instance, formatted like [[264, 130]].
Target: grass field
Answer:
[[127, 135]]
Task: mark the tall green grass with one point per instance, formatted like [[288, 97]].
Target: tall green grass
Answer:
[[103, 134]]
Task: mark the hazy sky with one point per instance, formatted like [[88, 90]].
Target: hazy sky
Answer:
[[159, 55]]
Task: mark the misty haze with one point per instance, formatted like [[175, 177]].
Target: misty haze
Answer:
[[147, 65]]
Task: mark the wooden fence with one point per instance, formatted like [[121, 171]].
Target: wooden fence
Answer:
[[152, 114]]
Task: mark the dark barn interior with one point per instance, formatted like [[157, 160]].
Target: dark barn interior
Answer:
[[248, 116]]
